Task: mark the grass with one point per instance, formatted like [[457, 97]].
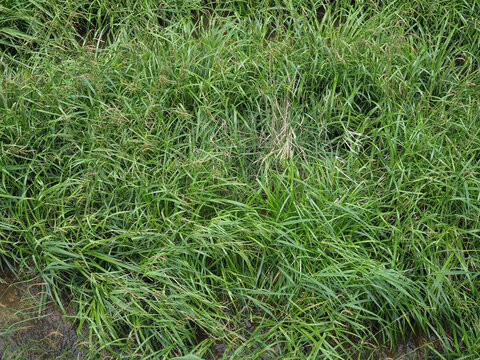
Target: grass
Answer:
[[183, 167]]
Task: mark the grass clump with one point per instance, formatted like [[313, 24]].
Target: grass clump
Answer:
[[268, 178]]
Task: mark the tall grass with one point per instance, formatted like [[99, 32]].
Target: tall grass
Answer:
[[310, 167]]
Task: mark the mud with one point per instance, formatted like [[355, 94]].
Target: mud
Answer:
[[31, 326]]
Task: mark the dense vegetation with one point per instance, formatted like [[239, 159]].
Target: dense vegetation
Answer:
[[309, 168]]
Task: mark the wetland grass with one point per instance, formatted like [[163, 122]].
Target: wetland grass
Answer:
[[249, 179]]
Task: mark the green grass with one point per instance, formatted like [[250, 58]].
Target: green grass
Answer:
[[311, 166]]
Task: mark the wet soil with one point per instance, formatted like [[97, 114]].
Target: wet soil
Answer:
[[31, 326]]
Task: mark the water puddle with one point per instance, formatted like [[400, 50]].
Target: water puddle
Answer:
[[31, 327]]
